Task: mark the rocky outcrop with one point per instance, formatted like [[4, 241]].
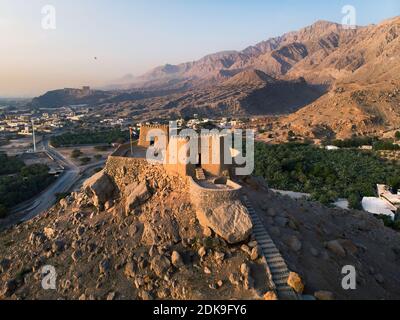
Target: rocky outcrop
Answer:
[[230, 221], [100, 188], [221, 211], [295, 282], [136, 195]]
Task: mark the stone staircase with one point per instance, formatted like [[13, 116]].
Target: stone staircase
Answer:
[[200, 174], [276, 264]]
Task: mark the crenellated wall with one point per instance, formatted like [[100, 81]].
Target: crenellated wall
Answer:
[[145, 129]]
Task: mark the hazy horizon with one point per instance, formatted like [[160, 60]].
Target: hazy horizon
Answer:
[[98, 42]]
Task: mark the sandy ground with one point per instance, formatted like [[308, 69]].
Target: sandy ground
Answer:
[[87, 151], [18, 146]]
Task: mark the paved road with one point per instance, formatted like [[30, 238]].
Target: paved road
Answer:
[[71, 175]]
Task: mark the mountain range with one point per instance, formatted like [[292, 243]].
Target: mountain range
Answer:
[[328, 79]]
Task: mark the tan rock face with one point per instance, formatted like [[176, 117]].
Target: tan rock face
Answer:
[[295, 282], [136, 195], [270, 296], [324, 295], [100, 187], [231, 221], [335, 247]]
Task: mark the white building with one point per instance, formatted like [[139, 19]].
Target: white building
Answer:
[[378, 207], [386, 203], [332, 148]]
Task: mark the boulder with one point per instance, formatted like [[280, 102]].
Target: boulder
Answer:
[[100, 188], [295, 282], [324, 295], [294, 243], [281, 221], [231, 221], [160, 265], [270, 296], [64, 203], [136, 194], [202, 252], [348, 246], [49, 232], [176, 259], [335, 247], [130, 271], [255, 253]]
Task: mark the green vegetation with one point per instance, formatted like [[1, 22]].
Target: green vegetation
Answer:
[[102, 148], [390, 223], [9, 165], [62, 195], [85, 160], [385, 145], [327, 175], [75, 154], [356, 142], [90, 137], [20, 182]]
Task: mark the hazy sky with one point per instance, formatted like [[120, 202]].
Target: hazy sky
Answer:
[[132, 36]]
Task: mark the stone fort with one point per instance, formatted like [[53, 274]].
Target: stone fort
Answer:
[[209, 158], [210, 179]]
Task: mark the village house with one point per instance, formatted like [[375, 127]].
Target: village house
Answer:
[[387, 203]]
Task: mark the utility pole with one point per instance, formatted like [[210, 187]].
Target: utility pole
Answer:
[[130, 139], [33, 135]]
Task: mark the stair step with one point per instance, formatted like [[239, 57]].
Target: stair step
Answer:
[[286, 288], [277, 265], [280, 282], [258, 226], [281, 277], [278, 271], [272, 253], [264, 239], [265, 243], [269, 247], [278, 259]]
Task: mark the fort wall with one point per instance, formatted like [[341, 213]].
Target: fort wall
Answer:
[[212, 150], [144, 131], [125, 171], [201, 196]]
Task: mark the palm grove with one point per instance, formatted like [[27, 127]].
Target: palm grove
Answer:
[[326, 175]]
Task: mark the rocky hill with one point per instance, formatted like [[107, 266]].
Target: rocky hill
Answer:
[[364, 98], [133, 233], [292, 53], [69, 96], [358, 69], [251, 92], [345, 81]]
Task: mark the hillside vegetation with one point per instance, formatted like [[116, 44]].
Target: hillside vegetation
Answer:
[[89, 137], [19, 183], [327, 175]]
